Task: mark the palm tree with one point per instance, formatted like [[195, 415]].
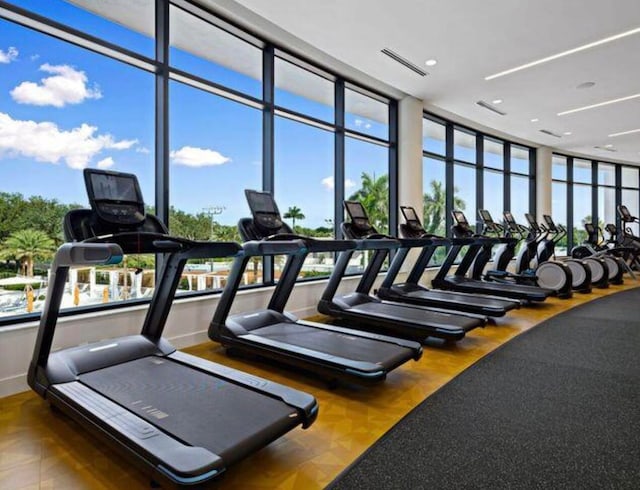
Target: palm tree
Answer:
[[294, 213], [27, 246], [435, 207], [374, 196]]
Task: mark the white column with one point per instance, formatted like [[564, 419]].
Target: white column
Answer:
[[410, 153], [92, 281], [544, 157]]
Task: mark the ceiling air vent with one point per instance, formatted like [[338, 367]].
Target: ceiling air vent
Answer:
[[605, 148], [550, 133], [491, 108], [404, 62]]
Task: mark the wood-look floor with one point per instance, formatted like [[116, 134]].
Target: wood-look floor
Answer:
[[42, 449]]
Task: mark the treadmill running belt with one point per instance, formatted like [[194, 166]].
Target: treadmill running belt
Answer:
[[334, 343], [419, 316], [200, 409]]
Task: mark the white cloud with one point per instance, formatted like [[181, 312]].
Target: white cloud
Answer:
[[329, 183], [66, 86], [10, 55], [142, 149], [34, 57], [105, 163], [359, 122], [197, 157], [46, 142]]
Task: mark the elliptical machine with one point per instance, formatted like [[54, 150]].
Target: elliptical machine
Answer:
[[528, 257], [593, 246], [552, 234], [550, 275], [630, 253]]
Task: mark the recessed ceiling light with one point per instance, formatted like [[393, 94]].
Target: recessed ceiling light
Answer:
[[613, 135], [608, 146], [431, 62], [565, 53], [586, 85], [535, 119], [600, 104], [567, 133], [497, 101]]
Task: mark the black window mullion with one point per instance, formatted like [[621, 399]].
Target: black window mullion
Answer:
[[533, 167], [479, 178], [449, 183], [162, 198], [268, 140], [506, 187], [619, 224], [393, 168], [339, 155], [594, 193], [569, 203]]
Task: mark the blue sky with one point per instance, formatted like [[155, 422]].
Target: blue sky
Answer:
[[63, 108]]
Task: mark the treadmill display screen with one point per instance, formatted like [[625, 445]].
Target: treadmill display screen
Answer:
[[624, 212], [114, 188], [508, 217], [355, 210], [589, 227], [460, 218], [409, 214], [486, 216], [549, 221], [262, 202]]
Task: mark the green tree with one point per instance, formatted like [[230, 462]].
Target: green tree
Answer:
[[27, 246], [294, 213], [374, 196], [186, 225], [435, 204]]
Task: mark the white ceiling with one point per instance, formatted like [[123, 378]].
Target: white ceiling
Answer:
[[472, 39]]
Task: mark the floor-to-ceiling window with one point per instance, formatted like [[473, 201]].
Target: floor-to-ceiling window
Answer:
[[559, 198], [582, 199], [630, 195], [199, 110]]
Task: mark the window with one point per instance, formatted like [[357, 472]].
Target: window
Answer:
[[519, 160], [305, 185], [215, 153], [209, 52], [493, 154], [366, 114], [559, 198], [630, 195], [606, 194], [434, 202], [47, 136], [493, 182], [464, 191], [433, 136], [464, 145], [519, 197]]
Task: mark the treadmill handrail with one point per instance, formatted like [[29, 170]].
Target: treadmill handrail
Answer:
[[255, 248], [372, 243], [315, 244]]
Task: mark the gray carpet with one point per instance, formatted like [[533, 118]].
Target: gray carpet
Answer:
[[557, 407]]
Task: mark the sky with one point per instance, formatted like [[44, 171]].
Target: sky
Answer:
[[64, 108]]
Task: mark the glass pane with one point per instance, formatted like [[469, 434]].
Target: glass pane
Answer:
[[464, 191], [606, 174], [581, 212], [304, 92], [519, 197], [559, 168], [606, 206], [559, 211], [433, 137], [494, 194], [204, 50], [65, 111], [630, 199], [304, 185], [519, 159], [213, 158], [121, 22], [630, 177], [582, 171], [434, 212], [493, 153], [464, 146], [366, 114]]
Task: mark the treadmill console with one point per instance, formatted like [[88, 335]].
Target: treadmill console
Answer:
[[461, 220], [358, 216], [411, 217], [611, 229], [589, 228], [115, 197], [486, 218], [264, 211], [510, 221]]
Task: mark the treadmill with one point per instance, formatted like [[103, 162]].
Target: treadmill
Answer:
[[411, 291], [459, 281], [362, 310], [331, 351], [181, 418]]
